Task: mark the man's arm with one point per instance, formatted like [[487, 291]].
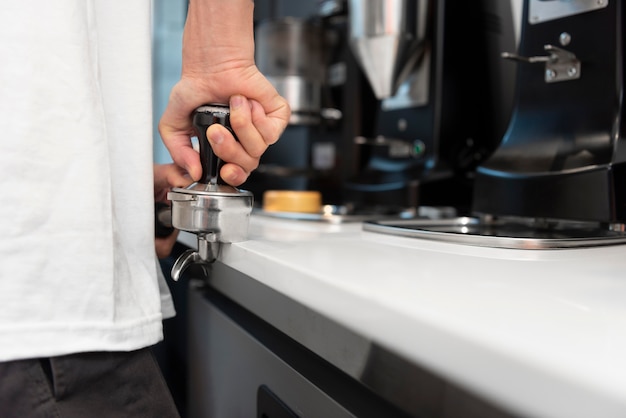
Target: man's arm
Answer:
[[219, 67]]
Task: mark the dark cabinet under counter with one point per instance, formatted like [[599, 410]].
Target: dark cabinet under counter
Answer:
[[256, 353]]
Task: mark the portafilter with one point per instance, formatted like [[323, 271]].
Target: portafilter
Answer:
[[213, 210]]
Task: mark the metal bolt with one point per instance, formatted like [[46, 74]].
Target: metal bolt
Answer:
[[572, 71], [402, 124], [550, 74], [565, 38]]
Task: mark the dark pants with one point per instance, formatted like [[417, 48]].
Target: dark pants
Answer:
[[103, 384]]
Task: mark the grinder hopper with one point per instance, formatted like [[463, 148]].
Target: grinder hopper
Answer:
[[385, 37]]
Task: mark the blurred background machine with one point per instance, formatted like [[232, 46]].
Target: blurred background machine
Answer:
[[563, 156], [395, 101], [557, 179]]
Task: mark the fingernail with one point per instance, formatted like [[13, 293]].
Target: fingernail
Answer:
[[195, 172], [236, 101]]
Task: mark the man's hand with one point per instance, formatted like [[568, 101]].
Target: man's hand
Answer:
[[167, 176], [218, 67]]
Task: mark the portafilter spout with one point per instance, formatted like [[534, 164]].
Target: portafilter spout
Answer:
[[213, 210], [386, 37]]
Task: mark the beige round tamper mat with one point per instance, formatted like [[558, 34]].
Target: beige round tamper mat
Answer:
[[292, 201]]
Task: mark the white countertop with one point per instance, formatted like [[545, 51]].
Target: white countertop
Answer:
[[540, 332]]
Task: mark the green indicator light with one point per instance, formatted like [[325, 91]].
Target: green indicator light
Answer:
[[418, 148]]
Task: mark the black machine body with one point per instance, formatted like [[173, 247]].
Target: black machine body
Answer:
[[424, 143], [564, 153]]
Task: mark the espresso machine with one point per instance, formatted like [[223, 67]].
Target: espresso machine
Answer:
[[558, 177]]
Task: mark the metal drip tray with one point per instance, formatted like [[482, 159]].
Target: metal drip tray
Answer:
[[503, 233], [341, 215]]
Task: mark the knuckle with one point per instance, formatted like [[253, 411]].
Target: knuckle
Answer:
[[238, 118], [257, 153]]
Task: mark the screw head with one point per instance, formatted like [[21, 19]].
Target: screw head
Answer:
[[402, 125]]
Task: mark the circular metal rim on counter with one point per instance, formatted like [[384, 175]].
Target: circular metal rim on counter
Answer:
[[420, 229]]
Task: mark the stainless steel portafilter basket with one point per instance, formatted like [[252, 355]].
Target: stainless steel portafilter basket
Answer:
[[213, 210]]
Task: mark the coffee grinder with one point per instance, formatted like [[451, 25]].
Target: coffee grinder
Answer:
[[435, 117], [293, 53], [563, 156], [558, 178]]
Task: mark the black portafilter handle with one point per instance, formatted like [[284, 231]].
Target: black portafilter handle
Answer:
[[203, 117]]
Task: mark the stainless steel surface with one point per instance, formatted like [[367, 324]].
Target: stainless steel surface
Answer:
[[216, 108], [215, 213], [560, 65], [404, 384], [230, 366], [503, 233], [545, 10], [342, 214], [211, 208], [290, 53], [415, 89], [207, 253], [386, 37], [303, 96], [331, 218], [186, 259]]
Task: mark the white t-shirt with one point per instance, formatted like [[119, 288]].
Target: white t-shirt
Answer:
[[78, 269]]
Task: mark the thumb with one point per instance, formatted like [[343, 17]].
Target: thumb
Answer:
[[183, 154]]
